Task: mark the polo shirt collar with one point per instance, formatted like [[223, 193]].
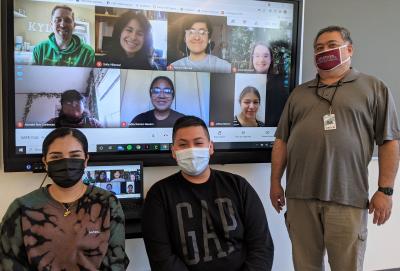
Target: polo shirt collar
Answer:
[[351, 76]]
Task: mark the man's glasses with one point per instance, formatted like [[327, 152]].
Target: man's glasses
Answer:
[[157, 91], [194, 32]]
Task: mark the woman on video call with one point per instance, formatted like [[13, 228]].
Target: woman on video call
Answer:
[[66, 225], [197, 39], [132, 43], [262, 62], [162, 94], [249, 101]]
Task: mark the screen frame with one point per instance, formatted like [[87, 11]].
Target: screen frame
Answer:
[[23, 162]]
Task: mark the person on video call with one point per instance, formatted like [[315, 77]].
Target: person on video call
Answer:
[[63, 48], [136, 182], [130, 189], [132, 43], [72, 113], [162, 94], [325, 139], [197, 39], [109, 188], [102, 177], [118, 176], [262, 62], [66, 225], [249, 101], [201, 218]]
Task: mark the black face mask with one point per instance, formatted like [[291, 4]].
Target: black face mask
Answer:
[[66, 172]]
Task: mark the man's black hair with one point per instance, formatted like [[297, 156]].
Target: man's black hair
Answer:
[[188, 121]]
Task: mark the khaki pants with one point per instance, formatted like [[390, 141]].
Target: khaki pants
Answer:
[[315, 226]]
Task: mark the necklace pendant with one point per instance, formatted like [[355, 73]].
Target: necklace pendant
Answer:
[[67, 213]]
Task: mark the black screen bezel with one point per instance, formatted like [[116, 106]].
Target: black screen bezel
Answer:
[[18, 162]]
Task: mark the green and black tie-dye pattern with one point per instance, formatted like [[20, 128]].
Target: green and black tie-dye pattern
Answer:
[[35, 234]]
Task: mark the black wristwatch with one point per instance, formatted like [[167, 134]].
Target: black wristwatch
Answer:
[[386, 190]]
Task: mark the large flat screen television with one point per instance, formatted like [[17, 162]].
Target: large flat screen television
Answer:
[[123, 71]]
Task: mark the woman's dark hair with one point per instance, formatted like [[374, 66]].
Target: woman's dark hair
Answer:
[[271, 66], [165, 78], [188, 121], [63, 132], [146, 51], [100, 172], [249, 89], [190, 20]]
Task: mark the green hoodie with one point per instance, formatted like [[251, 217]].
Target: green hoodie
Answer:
[[77, 54]]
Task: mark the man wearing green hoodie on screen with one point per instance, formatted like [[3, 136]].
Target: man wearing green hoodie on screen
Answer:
[[63, 48]]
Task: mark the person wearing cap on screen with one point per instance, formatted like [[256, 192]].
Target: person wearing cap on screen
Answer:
[[73, 113]]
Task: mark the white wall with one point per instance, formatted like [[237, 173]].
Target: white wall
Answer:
[[383, 241]]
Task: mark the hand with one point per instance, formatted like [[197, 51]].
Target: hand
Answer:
[[277, 196], [381, 206]]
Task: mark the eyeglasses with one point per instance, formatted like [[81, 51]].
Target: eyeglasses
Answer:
[[157, 91], [73, 104], [194, 32]]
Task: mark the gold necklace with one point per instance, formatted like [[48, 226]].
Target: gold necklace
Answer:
[[67, 211], [67, 206]]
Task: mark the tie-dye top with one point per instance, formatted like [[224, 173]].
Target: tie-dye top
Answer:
[[35, 234]]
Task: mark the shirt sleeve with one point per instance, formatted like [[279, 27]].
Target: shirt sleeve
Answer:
[[116, 258], [386, 124], [156, 235], [285, 123], [257, 238], [12, 250]]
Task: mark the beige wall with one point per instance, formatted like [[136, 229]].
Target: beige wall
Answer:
[[383, 242], [40, 13]]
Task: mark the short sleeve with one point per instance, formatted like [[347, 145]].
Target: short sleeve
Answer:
[[386, 123], [285, 122]]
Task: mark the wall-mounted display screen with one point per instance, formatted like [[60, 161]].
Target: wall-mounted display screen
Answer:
[[124, 71]]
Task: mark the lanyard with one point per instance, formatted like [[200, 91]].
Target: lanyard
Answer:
[[325, 99]]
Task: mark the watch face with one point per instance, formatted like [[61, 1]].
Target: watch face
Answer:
[[386, 190]]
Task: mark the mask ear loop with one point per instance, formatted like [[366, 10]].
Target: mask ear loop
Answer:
[[44, 179]]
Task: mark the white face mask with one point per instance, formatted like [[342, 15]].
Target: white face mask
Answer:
[[193, 161]]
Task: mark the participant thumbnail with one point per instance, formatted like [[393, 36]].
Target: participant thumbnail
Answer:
[[249, 106], [242, 97], [48, 97], [131, 39], [53, 34], [195, 43], [157, 99], [261, 50]]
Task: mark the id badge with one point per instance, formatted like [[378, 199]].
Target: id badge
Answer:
[[329, 122]]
